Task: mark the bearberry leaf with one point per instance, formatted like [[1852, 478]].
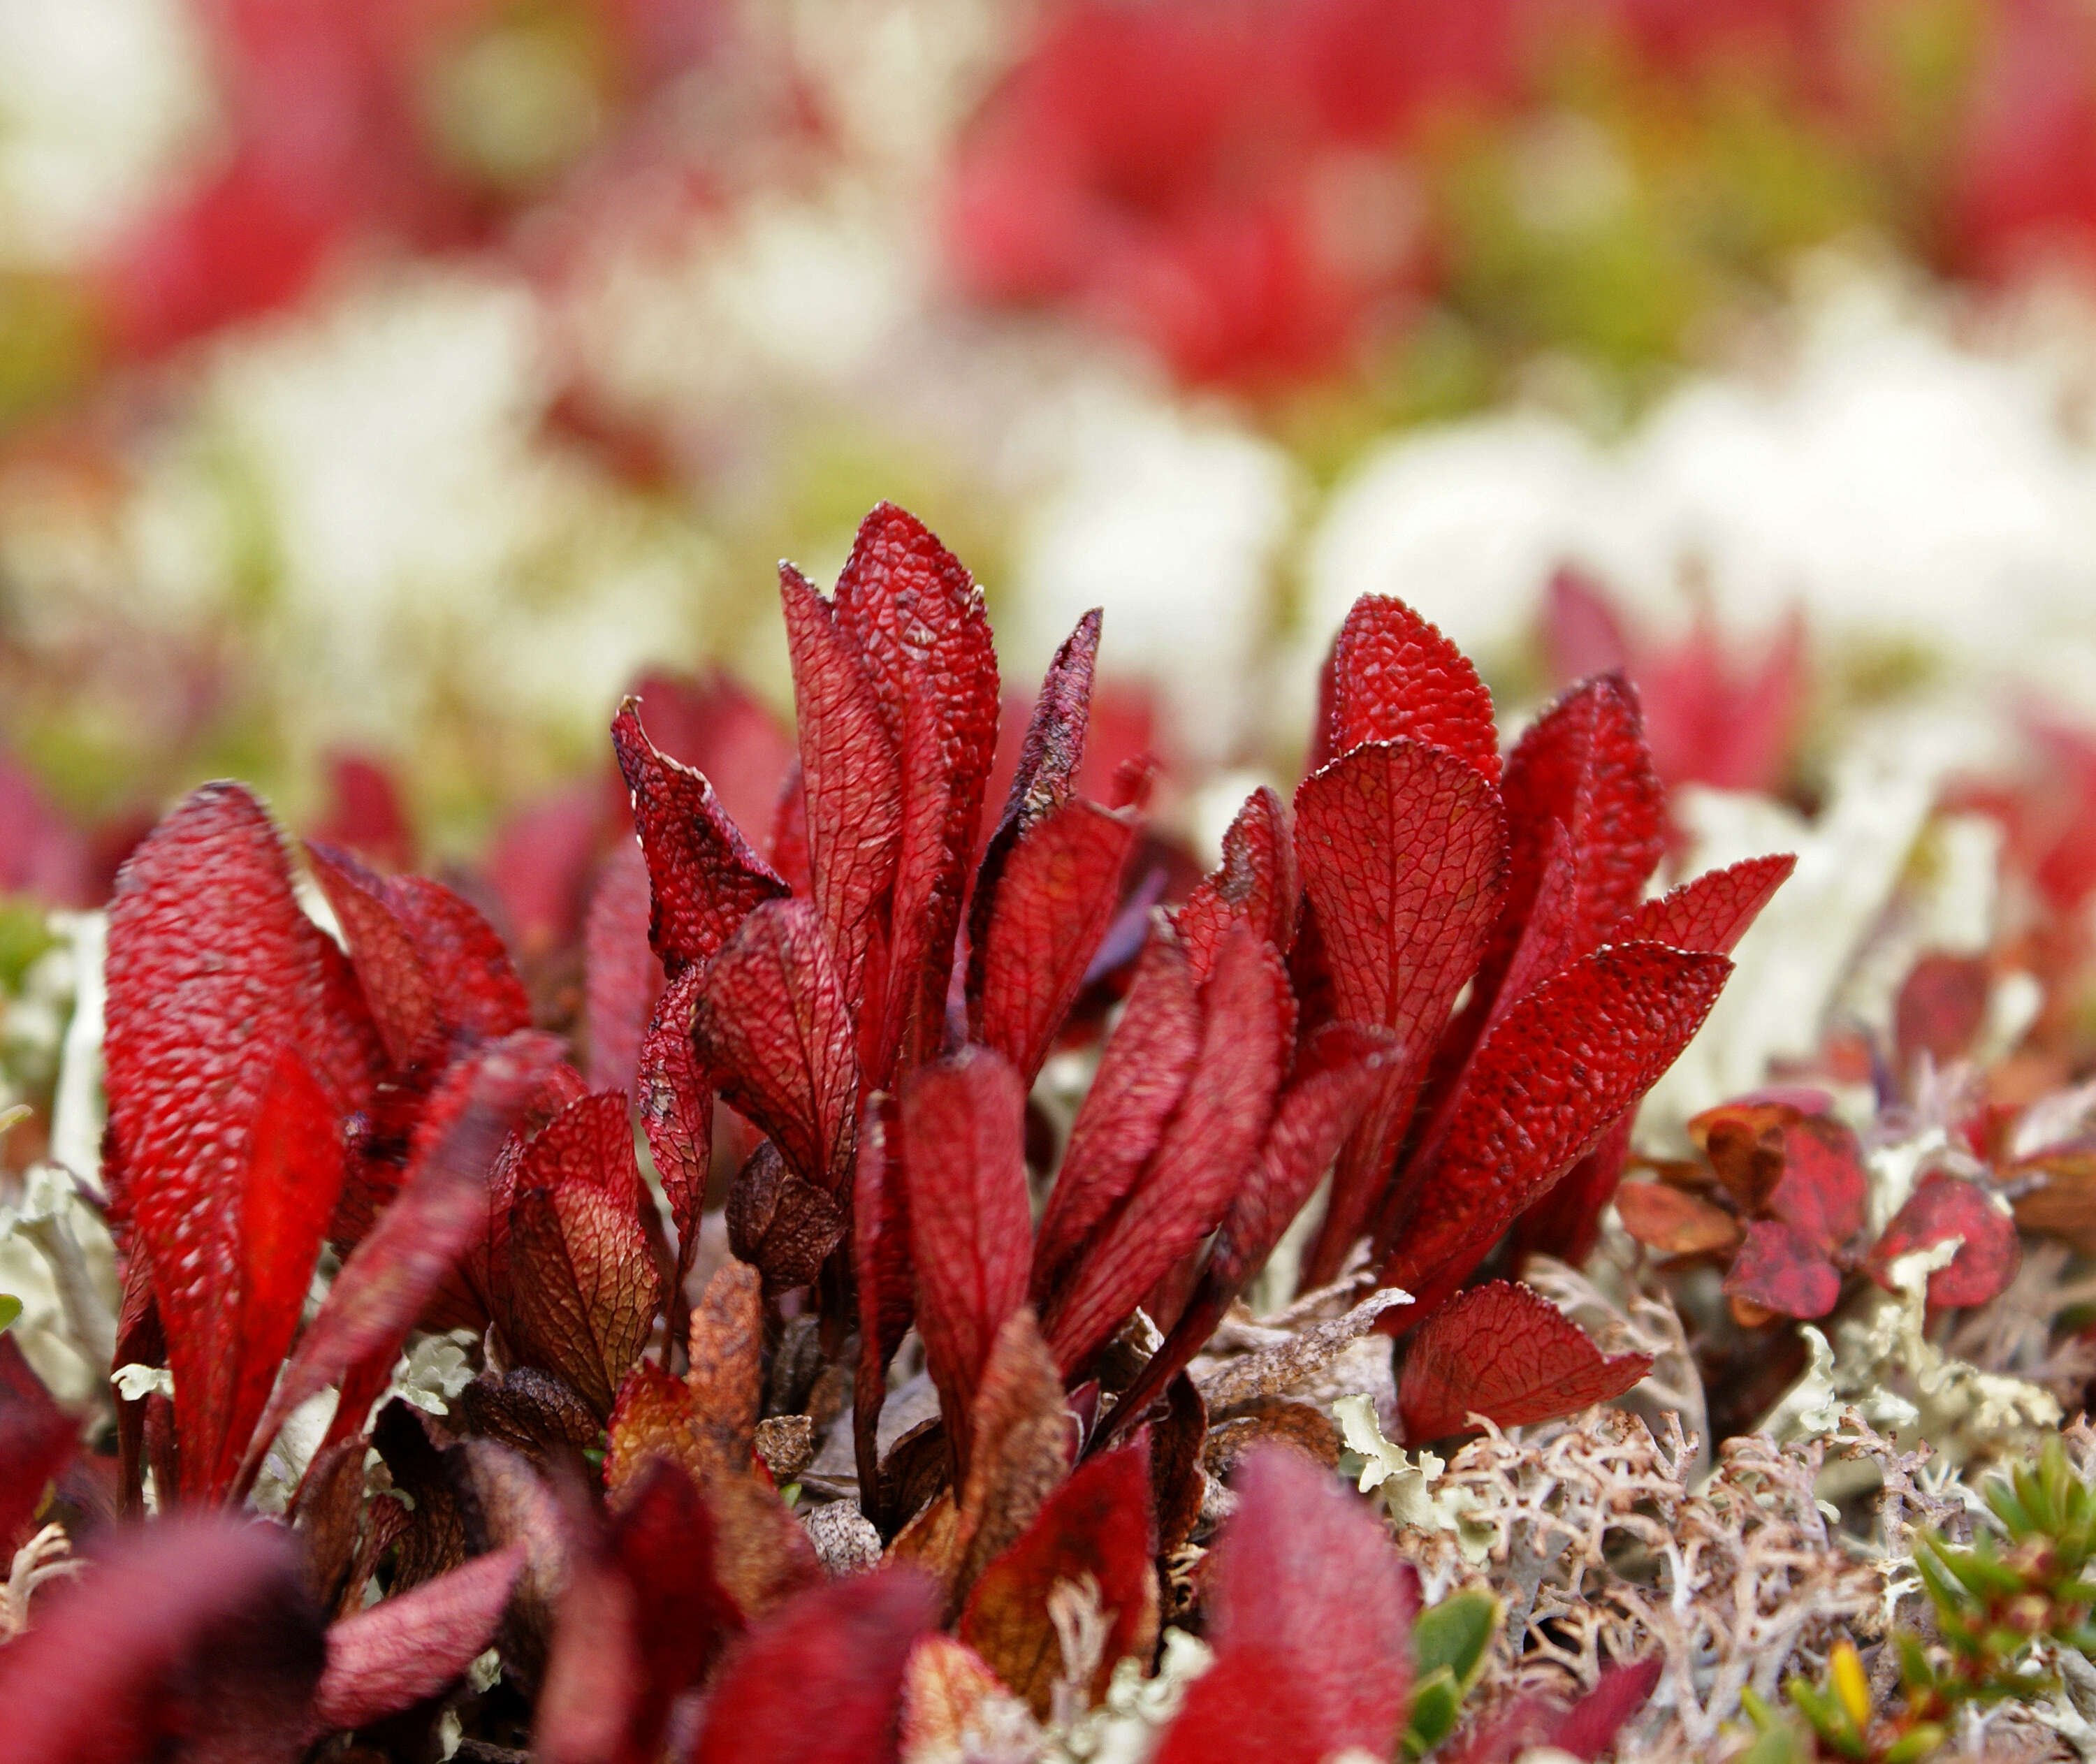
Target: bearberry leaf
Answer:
[[677, 1111], [963, 1155], [403, 1649], [1674, 1221], [1255, 886], [37, 1437], [1824, 1190], [1507, 1352], [1558, 1069], [1784, 1269], [1711, 912], [620, 977], [1395, 676], [1310, 1614], [772, 1024], [703, 878], [1943, 1206]]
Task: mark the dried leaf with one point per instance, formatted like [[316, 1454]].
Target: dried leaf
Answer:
[[963, 1156], [1505, 1351], [1287, 1365], [772, 1025], [783, 1226], [409, 1647], [1310, 1614], [1941, 1208], [727, 1375], [703, 878], [1611, 1023], [1024, 1441], [955, 1711], [1674, 1222], [1097, 1525], [1255, 886]]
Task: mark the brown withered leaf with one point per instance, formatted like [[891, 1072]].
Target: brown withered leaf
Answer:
[[782, 1226], [1270, 1421], [1176, 1482], [1286, 1365], [954, 1711], [529, 1411], [653, 1418], [2063, 1203], [434, 1540], [1743, 1142], [787, 1444], [917, 1466], [516, 1507], [1098, 1527], [1674, 1222], [325, 1515], [762, 1557], [932, 1540], [1023, 1443], [726, 1377]]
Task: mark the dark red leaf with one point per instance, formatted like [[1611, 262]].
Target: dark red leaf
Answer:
[[1506, 1351], [677, 1111], [772, 1025], [703, 878], [1941, 1208], [213, 972], [1942, 1004], [1202, 1161], [821, 1682], [186, 1641], [963, 1156], [441, 1206], [621, 976], [1099, 1523], [1566, 1223], [398, 988], [1141, 1075], [1782, 1269], [930, 874], [1674, 1222], [710, 722], [477, 987], [1712, 911], [398, 1651], [1563, 1063], [1310, 1613], [1589, 1728], [583, 1287], [1402, 847], [37, 1437], [1395, 676], [887, 1282], [853, 783], [918, 618], [1256, 885], [1825, 1188], [1053, 903]]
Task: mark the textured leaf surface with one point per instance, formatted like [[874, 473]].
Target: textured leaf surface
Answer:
[[962, 1154], [1711, 911], [821, 1684], [1024, 1440], [677, 1111], [887, 1282], [1255, 886], [1674, 1222], [1052, 905], [620, 975], [1310, 1613], [1782, 1270], [412, 1645], [1402, 848], [398, 986], [477, 987], [703, 878], [1824, 1190], [772, 1023], [1941, 1208], [1562, 1064], [1141, 1075], [1395, 676], [1098, 1523], [1205, 1154], [1506, 1351]]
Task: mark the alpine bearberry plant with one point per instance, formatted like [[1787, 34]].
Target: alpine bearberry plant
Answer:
[[691, 1496]]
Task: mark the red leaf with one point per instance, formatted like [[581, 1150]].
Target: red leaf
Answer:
[[930, 875], [1824, 1190], [1589, 1728], [1566, 1223], [1310, 1613], [853, 783], [1942, 1004], [441, 1206], [1941, 1208], [37, 1437], [1506, 1351], [677, 1111], [887, 1282], [1395, 676], [398, 989], [1204, 1157], [963, 1155], [1711, 913], [1141, 1075], [919, 619], [1582, 765], [1256, 885], [477, 987], [1561, 1065], [398, 1651], [1052, 906], [214, 973], [583, 1287], [1673, 1221], [703, 878], [772, 1025], [821, 1682], [1100, 1524], [1402, 847], [1581, 633], [186, 1641], [710, 722], [620, 977], [1781, 1268]]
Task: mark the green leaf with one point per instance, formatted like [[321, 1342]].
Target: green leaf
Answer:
[[1456, 1633], [10, 1308], [1436, 1701], [1915, 1746]]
